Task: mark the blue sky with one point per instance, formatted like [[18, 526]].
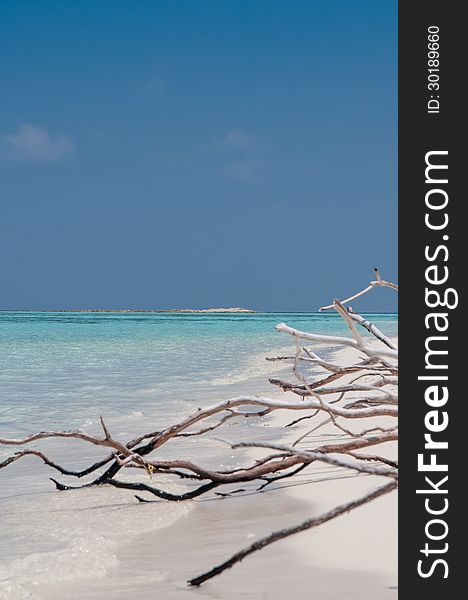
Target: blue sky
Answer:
[[191, 154]]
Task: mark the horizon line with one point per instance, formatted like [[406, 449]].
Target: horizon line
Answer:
[[180, 310]]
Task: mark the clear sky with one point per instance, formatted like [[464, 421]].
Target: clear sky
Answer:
[[165, 154]]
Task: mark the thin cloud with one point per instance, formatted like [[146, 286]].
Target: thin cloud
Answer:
[[35, 143], [243, 170], [237, 139], [158, 88]]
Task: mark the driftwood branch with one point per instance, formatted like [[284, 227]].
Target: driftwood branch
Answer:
[[284, 533], [378, 282]]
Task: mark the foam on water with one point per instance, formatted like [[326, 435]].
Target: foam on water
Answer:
[[67, 536]]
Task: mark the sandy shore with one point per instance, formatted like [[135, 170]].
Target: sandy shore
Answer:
[[352, 557]]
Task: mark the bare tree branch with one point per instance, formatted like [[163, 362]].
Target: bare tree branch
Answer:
[[284, 533]]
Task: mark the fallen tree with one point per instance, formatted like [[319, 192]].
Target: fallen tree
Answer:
[[343, 394]]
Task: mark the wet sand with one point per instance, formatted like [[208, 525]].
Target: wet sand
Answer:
[[352, 557]]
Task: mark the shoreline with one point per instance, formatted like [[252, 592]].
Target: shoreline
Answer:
[[163, 559]]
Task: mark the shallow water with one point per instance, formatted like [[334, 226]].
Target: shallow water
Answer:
[[63, 369], [141, 371]]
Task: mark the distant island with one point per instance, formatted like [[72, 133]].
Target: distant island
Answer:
[[213, 310]]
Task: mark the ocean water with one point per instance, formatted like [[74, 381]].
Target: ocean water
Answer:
[[141, 371], [62, 370]]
